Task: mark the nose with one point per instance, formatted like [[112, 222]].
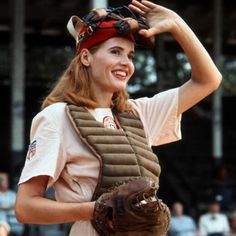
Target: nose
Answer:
[[125, 60]]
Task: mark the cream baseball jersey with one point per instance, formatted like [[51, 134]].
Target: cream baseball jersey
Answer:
[[56, 151]]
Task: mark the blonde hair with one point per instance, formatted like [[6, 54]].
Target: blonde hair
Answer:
[[74, 87]]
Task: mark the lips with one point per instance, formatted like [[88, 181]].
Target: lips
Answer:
[[121, 74]]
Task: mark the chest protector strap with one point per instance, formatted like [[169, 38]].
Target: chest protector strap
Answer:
[[123, 153]]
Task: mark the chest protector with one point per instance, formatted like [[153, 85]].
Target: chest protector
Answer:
[[123, 153]]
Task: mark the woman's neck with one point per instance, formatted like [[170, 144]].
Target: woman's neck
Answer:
[[103, 101]]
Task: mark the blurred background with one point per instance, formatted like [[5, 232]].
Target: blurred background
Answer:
[[35, 49]]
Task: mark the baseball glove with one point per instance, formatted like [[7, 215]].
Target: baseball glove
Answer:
[[131, 208]]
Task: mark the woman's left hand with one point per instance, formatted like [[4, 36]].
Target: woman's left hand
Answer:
[[159, 19]]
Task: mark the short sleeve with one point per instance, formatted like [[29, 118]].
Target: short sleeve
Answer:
[[159, 117], [45, 155]]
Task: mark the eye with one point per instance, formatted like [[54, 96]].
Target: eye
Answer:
[[131, 56], [116, 52]]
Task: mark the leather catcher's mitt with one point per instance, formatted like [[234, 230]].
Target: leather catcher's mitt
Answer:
[[131, 208]]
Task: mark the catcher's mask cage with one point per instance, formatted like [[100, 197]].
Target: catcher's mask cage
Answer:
[[122, 19]]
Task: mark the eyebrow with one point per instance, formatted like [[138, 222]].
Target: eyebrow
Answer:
[[118, 47]]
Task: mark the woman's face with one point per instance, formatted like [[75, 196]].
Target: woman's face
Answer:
[[111, 65]]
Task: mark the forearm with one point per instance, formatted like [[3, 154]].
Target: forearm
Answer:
[[160, 20], [39, 210], [202, 67]]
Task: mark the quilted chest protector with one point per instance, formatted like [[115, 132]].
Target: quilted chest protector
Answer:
[[123, 153]]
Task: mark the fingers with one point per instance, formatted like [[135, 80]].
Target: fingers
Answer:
[[149, 33], [148, 4], [140, 6], [136, 9], [144, 7]]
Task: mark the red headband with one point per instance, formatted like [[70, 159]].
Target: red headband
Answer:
[[100, 35]]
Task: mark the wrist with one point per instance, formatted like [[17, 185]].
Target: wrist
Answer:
[[92, 207], [178, 26], [83, 211]]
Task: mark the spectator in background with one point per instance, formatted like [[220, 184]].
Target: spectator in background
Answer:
[[181, 224], [7, 202], [224, 189], [4, 228], [214, 223], [232, 219]]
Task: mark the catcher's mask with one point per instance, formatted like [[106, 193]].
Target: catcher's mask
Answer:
[[104, 23]]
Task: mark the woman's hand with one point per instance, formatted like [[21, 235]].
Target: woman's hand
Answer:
[[159, 19]]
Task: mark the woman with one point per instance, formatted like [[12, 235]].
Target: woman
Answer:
[[97, 79]]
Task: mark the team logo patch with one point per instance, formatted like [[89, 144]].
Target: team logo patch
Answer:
[[109, 122], [32, 150]]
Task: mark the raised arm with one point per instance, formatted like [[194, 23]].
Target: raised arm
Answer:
[[32, 208], [205, 76]]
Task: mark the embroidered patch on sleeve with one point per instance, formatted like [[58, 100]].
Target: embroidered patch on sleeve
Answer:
[[32, 150]]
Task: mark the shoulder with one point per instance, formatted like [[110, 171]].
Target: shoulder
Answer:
[[204, 217], [161, 106], [11, 193], [223, 216], [52, 116], [53, 111], [188, 218], [165, 97], [55, 108]]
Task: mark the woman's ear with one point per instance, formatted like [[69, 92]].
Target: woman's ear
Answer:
[[86, 57]]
